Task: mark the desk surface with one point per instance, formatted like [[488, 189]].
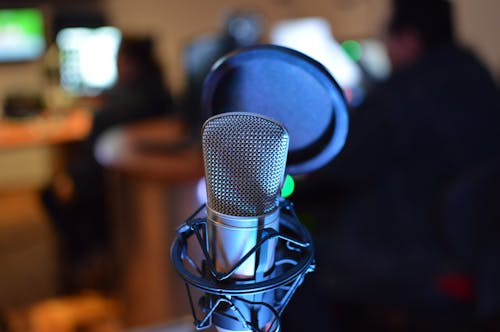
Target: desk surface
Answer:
[[45, 129], [158, 149]]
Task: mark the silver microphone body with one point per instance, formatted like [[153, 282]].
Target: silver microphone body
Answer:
[[245, 157], [232, 237]]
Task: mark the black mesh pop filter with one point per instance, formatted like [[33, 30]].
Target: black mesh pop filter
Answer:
[[291, 88]]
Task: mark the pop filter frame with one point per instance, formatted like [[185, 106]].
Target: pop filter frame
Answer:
[[223, 295]]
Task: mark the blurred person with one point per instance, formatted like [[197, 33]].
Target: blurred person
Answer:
[[76, 200], [376, 210]]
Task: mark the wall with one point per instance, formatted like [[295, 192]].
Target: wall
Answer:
[[479, 27]]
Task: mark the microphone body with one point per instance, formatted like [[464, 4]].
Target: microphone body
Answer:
[[245, 158], [232, 237]]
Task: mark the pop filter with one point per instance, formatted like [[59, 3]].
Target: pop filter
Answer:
[[288, 86]]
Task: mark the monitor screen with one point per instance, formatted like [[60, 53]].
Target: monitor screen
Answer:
[[374, 59], [87, 59], [22, 34], [313, 37], [354, 63]]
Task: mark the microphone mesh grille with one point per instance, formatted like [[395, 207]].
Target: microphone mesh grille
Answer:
[[245, 158]]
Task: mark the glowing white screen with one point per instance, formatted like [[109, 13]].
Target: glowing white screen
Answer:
[[88, 59], [375, 59], [312, 36]]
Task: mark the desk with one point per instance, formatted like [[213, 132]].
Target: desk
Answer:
[[32, 150], [45, 129], [152, 174]]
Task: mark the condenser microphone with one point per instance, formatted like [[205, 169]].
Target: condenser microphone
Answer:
[[245, 157], [244, 253], [245, 249]]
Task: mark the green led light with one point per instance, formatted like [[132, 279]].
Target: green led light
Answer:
[[353, 49], [288, 186]]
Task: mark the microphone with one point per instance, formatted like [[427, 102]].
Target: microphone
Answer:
[[245, 250]]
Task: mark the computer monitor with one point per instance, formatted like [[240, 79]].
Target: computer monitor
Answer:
[[374, 59], [87, 59], [355, 63], [22, 34], [313, 37]]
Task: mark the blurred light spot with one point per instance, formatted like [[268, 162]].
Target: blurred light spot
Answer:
[[288, 186], [353, 49], [201, 191], [375, 59], [88, 58]]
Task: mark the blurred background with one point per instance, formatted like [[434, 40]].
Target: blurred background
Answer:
[[58, 61]]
